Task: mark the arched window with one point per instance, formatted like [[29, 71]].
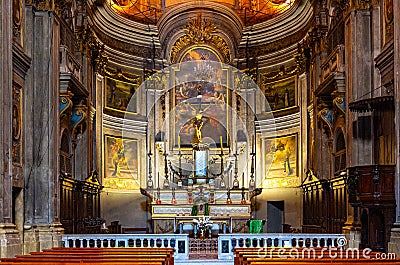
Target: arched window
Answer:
[[65, 155], [340, 153]]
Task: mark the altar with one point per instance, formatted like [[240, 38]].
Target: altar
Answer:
[[178, 217], [204, 167]]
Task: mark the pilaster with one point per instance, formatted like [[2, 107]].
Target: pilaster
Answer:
[[39, 237], [358, 54], [10, 241], [41, 127]]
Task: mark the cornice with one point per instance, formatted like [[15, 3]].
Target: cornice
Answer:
[[275, 59], [142, 41], [121, 33], [21, 61], [127, 125]]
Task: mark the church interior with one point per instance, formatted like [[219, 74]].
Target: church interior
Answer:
[[204, 119]]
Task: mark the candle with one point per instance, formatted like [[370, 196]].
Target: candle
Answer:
[[220, 140], [149, 146], [179, 142], [165, 144], [243, 180], [158, 179], [252, 144]]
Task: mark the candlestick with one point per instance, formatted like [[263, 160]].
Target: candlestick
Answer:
[[228, 142]]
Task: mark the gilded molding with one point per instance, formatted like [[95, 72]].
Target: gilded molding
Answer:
[[200, 31], [118, 74], [42, 4], [87, 43], [17, 17], [281, 73]]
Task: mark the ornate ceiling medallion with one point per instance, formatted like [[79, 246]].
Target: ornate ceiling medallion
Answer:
[[203, 32]]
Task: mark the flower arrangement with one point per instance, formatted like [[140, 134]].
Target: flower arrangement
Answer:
[[204, 223]]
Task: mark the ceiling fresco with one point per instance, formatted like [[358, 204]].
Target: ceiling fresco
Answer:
[[250, 11]]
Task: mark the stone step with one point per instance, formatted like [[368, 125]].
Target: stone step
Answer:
[[205, 262]]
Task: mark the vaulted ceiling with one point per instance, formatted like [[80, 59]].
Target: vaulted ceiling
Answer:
[[150, 11]]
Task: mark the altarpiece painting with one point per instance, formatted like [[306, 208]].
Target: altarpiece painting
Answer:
[[281, 94], [121, 167], [118, 95], [281, 156]]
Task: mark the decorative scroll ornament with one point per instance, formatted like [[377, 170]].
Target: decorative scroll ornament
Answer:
[[78, 116], [200, 31], [326, 116], [340, 103], [65, 103]]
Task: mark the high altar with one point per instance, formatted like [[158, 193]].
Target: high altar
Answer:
[[203, 163], [179, 201]]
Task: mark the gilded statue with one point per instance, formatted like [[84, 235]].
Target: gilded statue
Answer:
[[198, 124]]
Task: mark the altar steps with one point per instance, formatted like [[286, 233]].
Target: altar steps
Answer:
[[204, 262]]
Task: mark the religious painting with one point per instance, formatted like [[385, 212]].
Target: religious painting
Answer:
[[196, 124], [388, 11], [121, 163], [200, 53], [281, 94], [118, 95], [200, 106], [281, 156]]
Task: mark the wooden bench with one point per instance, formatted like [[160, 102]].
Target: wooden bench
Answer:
[[103, 256], [258, 256]]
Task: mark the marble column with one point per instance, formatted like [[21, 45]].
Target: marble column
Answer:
[[394, 244], [42, 229]]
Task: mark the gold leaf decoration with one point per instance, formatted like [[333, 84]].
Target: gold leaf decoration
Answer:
[[200, 31]]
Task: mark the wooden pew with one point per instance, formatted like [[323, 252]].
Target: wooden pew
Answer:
[[258, 256], [148, 256]]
